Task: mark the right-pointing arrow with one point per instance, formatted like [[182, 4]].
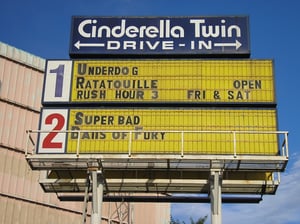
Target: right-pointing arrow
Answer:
[[237, 44]]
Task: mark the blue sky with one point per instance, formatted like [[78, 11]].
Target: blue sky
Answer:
[[43, 29]]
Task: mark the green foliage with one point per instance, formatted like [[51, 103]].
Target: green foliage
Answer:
[[199, 221]]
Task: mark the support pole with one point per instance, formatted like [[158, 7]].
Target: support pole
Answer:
[[97, 197], [86, 199], [216, 196]]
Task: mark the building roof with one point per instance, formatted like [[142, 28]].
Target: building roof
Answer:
[[22, 57]]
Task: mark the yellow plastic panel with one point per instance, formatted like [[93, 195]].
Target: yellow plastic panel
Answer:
[[170, 81], [206, 131]]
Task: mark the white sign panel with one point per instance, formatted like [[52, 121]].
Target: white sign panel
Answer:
[[57, 81], [53, 123]]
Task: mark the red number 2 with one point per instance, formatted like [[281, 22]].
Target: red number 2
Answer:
[[48, 140]]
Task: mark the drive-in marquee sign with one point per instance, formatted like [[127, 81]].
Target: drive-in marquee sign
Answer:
[[127, 36], [159, 81], [136, 95]]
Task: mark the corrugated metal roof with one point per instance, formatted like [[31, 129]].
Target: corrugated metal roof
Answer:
[[21, 77], [22, 57], [23, 200]]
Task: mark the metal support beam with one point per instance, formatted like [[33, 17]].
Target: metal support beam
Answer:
[[86, 199], [97, 197], [164, 199], [216, 196]]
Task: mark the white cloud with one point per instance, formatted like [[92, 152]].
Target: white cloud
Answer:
[[281, 208]]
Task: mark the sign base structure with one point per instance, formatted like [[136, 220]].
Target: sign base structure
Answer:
[[166, 174], [158, 172]]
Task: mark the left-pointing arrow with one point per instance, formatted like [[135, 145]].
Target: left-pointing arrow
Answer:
[[237, 44], [78, 45]]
